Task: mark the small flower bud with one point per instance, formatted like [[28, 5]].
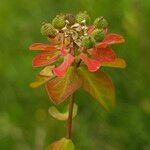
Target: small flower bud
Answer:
[[100, 22], [83, 17], [70, 18], [48, 30], [59, 21], [98, 35], [87, 43]]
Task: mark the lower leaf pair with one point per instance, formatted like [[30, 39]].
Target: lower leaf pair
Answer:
[[97, 84]]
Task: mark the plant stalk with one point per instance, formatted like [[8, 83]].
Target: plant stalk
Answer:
[[69, 121]]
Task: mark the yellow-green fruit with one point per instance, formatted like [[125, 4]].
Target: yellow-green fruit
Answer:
[[83, 16], [87, 43], [59, 21], [100, 22], [98, 35], [48, 30], [70, 18]]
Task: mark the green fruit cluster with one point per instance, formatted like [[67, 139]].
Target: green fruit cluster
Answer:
[[87, 43], [83, 16], [98, 35], [48, 30], [100, 22], [59, 21]]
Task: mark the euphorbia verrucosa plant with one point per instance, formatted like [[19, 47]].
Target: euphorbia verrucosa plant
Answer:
[[72, 59]]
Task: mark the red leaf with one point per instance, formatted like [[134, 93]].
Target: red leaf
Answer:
[[61, 70], [103, 54], [111, 39], [41, 46], [93, 65], [45, 58]]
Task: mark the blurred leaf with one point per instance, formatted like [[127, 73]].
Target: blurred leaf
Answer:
[[62, 116], [63, 144], [45, 75], [60, 88], [39, 81], [100, 86], [118, 63]]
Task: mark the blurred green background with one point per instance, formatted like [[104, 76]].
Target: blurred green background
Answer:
[[24, 120]]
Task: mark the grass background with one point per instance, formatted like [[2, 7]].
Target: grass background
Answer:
[[24, 120]]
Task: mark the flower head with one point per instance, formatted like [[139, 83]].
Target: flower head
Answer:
[[75, 43]]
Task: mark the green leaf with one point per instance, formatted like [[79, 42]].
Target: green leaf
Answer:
[[62, 144], [60, 88], [62, 116], [100, 86]]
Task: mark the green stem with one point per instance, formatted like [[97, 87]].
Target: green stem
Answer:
[[69, 121]]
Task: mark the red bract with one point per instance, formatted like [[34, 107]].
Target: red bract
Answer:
[[99, 54], [93, 65], [61, 70], [110, 39]]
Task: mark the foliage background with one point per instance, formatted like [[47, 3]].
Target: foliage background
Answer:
[[24, 120]]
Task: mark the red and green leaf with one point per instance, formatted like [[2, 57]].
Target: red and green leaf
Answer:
[[111, 39], [93, 65], [60, 88], [45, 58], [100, 86], [118, 63], [62, 69]]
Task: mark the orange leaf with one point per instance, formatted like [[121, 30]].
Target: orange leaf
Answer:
[[39, 81], [118, 63], [60, 88], [45, 58], [41, 46]]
